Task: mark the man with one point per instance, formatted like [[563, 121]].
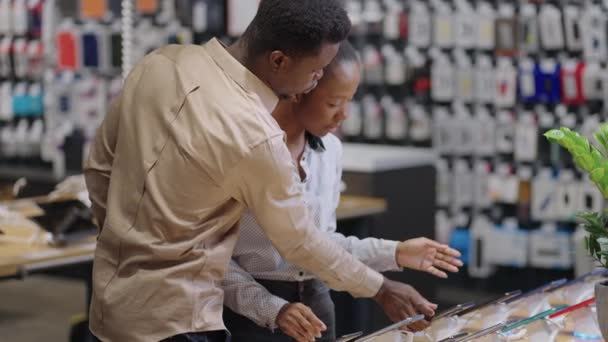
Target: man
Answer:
[[186, 148]]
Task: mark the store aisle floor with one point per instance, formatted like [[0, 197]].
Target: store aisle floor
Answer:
[[39, 308]]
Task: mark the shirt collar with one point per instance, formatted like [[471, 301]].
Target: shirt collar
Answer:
[[240, 74]]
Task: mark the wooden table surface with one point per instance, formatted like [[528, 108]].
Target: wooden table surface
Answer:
[[16, 259], [356, 206]]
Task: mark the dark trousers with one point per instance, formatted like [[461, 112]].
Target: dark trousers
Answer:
[[207, 336], [312, 293]]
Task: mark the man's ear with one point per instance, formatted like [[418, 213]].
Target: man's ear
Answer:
[[278, 60]]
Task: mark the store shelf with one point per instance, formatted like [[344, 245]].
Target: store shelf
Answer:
[[376, 158]]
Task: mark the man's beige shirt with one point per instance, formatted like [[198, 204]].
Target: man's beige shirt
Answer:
[[186, 148]]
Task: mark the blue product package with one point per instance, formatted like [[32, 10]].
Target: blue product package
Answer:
[[21, 105], [90, 50], [526, 84], [461, 241], [548, 89], [36, 105]]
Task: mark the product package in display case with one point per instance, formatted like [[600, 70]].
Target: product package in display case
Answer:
[[562, 310]]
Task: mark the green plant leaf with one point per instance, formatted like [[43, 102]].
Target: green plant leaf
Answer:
[[597, 175], [585, 162], [554, 135], [602, 140]]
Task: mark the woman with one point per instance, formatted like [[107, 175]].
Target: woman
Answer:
[[264, 292]]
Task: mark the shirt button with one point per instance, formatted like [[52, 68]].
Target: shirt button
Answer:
[[301, 274]]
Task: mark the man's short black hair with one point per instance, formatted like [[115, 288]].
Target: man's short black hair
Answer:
[[296, 26]]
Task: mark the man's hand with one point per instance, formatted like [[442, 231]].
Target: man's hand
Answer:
[[430, 256], [299, 322], [400, 301]]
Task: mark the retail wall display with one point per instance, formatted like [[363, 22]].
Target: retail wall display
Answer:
[[59, 63], [487, 78]]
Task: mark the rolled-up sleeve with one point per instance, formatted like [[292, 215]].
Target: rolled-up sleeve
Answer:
[[266, 181]]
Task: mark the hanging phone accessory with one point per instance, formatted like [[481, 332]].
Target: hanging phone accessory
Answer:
[[594, 78], [572, 27], [6, 101], [527, 81], [526, 138], [392, 19], [68, 46], [551, 33], [505, 132], [396, 120], [465, 25], [353, 125], [395, 67], [506, 31], [484, 132], [485, 80], [528, 27], [481, 197], [572, 72], [373, 118], [6, 63], [420, 29], [548, 81], [443, 24], [418, 73], [20, 17], [442, 78], [465, 90], [444, 131], [444, 183], [6, 27], [373, 66], [506, 78], [593, 25], [486, 16], [479, 267], [463, 130], [544, 196], [462, 186], [420, 123]]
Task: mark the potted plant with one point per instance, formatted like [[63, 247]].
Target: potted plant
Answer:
[[594, 161]]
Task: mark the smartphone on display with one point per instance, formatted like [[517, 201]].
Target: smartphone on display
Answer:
[[601, 273], [545, 288], [453, 310], [481, 333], [498, 300], [532, 319]]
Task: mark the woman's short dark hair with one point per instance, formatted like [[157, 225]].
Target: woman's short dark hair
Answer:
[[296, 26]]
